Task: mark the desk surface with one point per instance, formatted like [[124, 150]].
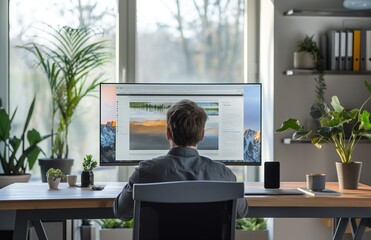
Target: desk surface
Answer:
[[349, 198], [38, 196]]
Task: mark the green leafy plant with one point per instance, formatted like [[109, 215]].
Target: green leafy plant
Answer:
[[115, 223], [55, 173], [67, 61], [319, 106], [251, 224], [18, 151], [89, 163], [333, 125], [85, 222]]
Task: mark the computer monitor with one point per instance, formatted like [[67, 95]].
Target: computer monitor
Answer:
[[133, 121]]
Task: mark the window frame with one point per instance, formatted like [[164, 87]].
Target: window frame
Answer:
[[4, 53]]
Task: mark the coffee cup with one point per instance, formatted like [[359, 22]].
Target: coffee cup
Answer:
[[316, 181], [72, 179]]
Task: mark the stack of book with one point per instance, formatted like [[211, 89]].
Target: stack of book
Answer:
[[347, 50]]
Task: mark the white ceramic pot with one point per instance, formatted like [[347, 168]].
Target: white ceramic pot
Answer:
[[304, 60], [53, 183]]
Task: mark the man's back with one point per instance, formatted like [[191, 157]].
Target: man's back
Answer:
[[182, 164]]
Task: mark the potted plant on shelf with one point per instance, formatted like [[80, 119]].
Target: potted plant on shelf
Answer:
[[19, 152], [54, 177], [251, 228], [87, 175], [67, 60], [332, 130], [308, 56], [113, 229]]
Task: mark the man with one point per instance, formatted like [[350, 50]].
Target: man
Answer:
[[185, 129]]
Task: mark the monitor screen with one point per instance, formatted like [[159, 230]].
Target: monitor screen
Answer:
[[133, 121]]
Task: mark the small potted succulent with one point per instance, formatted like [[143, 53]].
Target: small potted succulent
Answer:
[[87, 175], [54, 176]]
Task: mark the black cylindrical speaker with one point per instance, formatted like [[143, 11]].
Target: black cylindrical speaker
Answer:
[[272, 174]]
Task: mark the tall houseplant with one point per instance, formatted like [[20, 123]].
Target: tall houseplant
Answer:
[[332, 131], [67, 61], [19, 152]]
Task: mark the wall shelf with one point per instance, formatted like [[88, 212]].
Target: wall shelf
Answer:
[[291, 72], [328, 13]]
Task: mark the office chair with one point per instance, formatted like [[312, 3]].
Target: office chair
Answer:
[[186, 210]]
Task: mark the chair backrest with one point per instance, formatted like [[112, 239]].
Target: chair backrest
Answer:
[[188, 210]]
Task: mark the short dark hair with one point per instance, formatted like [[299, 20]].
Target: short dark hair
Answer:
[[186, 123]]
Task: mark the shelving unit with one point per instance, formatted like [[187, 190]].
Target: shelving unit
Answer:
[[326, 13]]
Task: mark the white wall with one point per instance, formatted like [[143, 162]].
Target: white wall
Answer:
[[293, 96]]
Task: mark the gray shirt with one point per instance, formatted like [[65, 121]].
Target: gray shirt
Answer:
[[180, 164]]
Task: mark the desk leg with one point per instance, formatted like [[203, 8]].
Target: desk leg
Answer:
[[361, 229], [21, 227], [340, 229], [40, 231]]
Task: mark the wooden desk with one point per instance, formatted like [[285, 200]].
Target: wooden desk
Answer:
[[34, 202]]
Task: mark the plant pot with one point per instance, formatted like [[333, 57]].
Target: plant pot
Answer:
[[304, 60], [348, 174], [116, 233], [87, 178], [53, 182], [87, 232], [6, 180], [257, 234], [64, 164]]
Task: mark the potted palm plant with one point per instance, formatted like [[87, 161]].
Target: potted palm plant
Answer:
[[67, 60], [19, 152], [333, 130]]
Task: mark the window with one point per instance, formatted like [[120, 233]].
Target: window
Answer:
[[157, 41], [190, 41], [30, 18]]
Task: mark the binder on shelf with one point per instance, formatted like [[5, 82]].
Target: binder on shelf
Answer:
[[342, 57], [349, 52], [356, 50], [323, 50], [368, 50], [363, 50], [334, 48]]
